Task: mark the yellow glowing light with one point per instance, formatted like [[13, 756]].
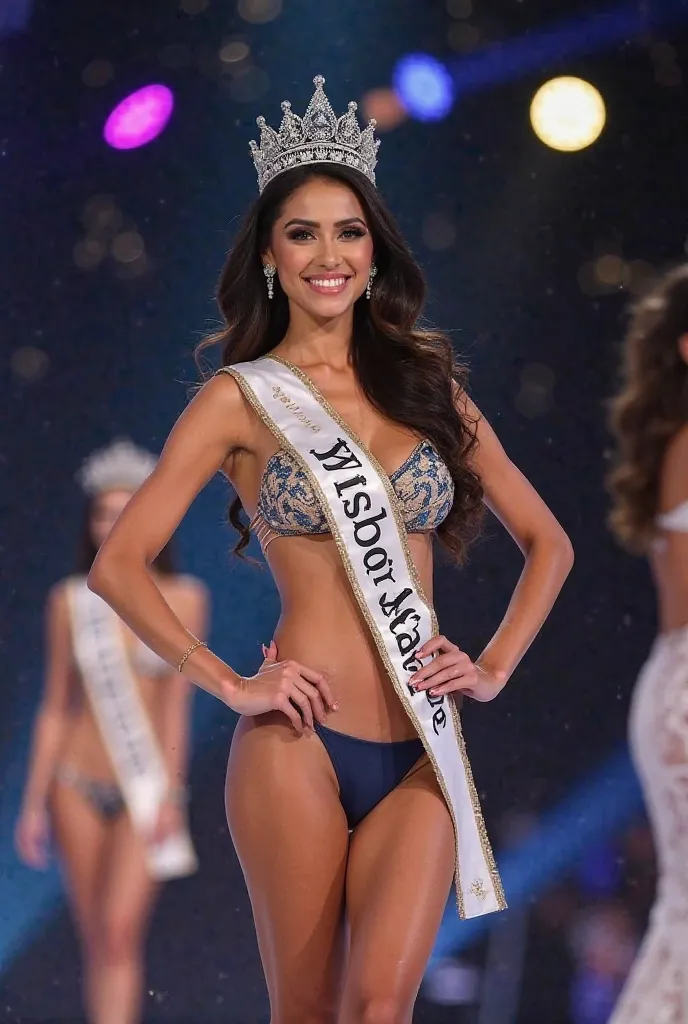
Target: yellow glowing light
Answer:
[[567, 114]]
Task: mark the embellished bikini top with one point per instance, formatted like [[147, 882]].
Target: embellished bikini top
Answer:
[[288, 506]]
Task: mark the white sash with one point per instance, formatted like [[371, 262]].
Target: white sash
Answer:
[[363, 515], [129, 739]]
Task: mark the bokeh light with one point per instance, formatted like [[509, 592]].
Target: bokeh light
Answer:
[[424, 86], [610, 270], [385, 107], [567, 114], [128, 246], [101, 214], [88, 253], [259, 12], [233, 51], [139, 118], [29, 362]]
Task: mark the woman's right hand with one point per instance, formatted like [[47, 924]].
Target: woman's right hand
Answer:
[[298, 692], [31, 837]]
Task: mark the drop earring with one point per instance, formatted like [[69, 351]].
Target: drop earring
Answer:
[[371, 276], [269, 270]]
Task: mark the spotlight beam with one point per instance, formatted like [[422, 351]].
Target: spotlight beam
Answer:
[[593, 811], [502, 62]]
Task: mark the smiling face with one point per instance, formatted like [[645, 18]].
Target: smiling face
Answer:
[[322, 248]]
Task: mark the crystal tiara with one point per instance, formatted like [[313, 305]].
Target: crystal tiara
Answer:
[[121, 466], [319, 137]]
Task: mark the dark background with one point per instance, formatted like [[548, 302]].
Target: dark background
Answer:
[[507, 232]]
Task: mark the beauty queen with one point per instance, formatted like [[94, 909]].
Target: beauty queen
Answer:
[[350, 440]]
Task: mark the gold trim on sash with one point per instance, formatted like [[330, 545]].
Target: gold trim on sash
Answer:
[[413, 572]]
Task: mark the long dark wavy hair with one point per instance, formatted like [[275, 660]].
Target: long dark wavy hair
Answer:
[[409, 374], [650, 408], [86, 550]]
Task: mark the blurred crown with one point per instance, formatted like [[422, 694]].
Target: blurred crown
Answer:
[[319, 137], [121, 466]]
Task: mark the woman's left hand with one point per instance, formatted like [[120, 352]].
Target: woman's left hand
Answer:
[[452, 671]]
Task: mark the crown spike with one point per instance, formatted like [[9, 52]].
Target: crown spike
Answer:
[[291, 132], [320, 120], [318, 137]]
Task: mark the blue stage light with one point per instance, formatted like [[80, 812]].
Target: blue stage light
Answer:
[[424, 86]]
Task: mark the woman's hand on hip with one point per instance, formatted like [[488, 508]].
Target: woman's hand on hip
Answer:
[[300, 693], [452, 671]]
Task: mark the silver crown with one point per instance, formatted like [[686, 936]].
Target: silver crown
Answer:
[[120, 466], [319, 137]]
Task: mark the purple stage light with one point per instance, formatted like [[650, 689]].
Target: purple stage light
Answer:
[[139, 118]]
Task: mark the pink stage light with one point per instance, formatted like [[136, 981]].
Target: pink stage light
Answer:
[[139, 118]]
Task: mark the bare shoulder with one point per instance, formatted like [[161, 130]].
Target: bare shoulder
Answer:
[[674, 483], [221, 401]]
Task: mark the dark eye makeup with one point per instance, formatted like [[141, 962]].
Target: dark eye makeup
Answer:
[[302, 234]]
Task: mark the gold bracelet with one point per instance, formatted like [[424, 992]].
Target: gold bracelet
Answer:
[[188, 651]]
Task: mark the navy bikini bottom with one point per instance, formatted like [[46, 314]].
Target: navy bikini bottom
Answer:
[[367, 771], [104, 797]]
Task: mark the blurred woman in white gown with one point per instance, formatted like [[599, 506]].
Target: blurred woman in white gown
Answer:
[[650, 516]]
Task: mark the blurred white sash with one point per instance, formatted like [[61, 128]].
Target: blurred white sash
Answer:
[[124, 725]]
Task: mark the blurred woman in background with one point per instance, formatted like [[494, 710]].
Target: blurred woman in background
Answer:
[[650, 516], [108, 764]]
